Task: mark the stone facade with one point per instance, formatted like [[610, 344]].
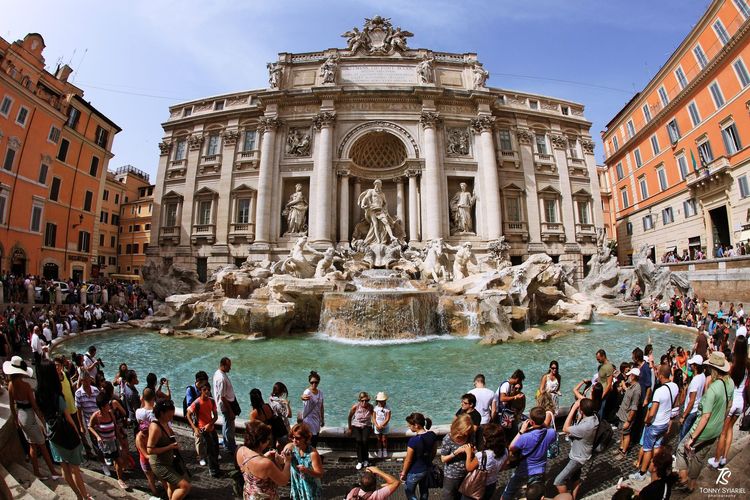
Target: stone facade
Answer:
[[332, 122]]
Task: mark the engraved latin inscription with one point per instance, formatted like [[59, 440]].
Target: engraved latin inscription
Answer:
[[372, 73]]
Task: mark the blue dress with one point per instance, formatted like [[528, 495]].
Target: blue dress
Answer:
[[304, 486]]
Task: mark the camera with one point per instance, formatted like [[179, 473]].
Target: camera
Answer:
[[101, 363]]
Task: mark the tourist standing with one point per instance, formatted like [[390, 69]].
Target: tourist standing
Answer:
[[103, 426], [86, 404], [263, 473], [530, 446], [492, 458], [581, 445], [631, 402], [130, 396], [551, 383], [227, 402], [454, 453], [359, 424], [144, 416], [191, 394], [420, 452], [381, 417], [65, 440], [164, 452], [485, 399], [90, 363], [279, 402], [368, 486], [202, 417], [507, 396], [606, 373], [694, 394], [695, 447], [26, 414], [306, 467], [38, 346], [313, 413]]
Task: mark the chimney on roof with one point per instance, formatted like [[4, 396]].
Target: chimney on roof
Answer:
[[63, 72]]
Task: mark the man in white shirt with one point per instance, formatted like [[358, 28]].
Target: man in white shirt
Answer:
[[485, 398], [98, 316], [90, 363], [225, 398], [657, 419], [742, 328], [37, 346], [694, 395], [47, 332]]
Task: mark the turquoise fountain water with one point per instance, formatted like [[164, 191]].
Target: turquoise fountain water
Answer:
[[428, 376]]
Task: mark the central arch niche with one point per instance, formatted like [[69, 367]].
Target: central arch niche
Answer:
[[378, 150]]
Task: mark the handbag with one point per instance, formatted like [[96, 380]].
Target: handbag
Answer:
[[235, 405], [475, 482], [61, 432]]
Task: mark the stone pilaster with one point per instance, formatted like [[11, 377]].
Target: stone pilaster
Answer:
[[321, 189], [433, 208], [223, 209], [268, 127], [413, 205], [483, 126], [400, 199], [343, 206], [567, 209]]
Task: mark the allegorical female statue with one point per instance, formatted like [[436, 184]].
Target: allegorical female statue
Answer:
[[295, 211], [461, 207]]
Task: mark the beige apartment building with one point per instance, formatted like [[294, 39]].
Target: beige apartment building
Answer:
[[136, 206]]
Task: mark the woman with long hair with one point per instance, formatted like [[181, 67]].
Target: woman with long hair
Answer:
[[419, 454], [360, 426], [306, 466], [313, 413], [263, 471], [662, 476], [738, 373], [492, 458], [65, 441], [121, 418], [164, 452], [455, 444], [279, 402], [551, 383]]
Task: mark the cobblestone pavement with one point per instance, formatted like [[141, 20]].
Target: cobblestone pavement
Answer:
[[340, 475]]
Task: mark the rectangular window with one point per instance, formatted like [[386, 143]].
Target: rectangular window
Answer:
[[136, 227], [629, 228], [145, 247], [94, 168], [655, 144], [135, 247], [695, 117], [43, 169], [204, 213], [112, 241], [513, 209], [631, 129], [721, 32], [505, 142], [117, 198], [742, 74], [10, 155], [73, 116], [248, 143], [50, 235], [213, 145], [550, 211], [84, 239], [104, 217], [573, 147], [615, 143], [5, 106], [87, 199], [541, 144], [583, 212], [243, 211], [667, 216], [62, 154], [115, 220], [673, 130], [646, 113], [105, 196], [683, 166], [534, 104], [638, 160], [147, 227], [128, 248], [731, 139], [681, 78], [36, 218], [744, 189], [54, 134], [3, 202], [101, 137], [187, 112], [663, 96], [101, 240], [180, 150], [54, 191], [218, 105], [705, 152], [662, 174], [620, 173], [23, 113], [643, 185], [690, 207], [112, 261], [700, 56], [743, 8], [648, 223], [716, 94], [565, 110], [170, 215]]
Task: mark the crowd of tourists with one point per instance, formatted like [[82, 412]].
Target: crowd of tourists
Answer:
[[720, 252], [695, 393]]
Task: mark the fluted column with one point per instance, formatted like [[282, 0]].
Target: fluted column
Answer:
[[413, 206], [567, 209], [268, 125], [344, 206], [322, 185], [357, 191], [432, 199], [483, 126]]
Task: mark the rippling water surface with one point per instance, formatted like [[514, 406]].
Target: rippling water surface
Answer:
[[427, 376]]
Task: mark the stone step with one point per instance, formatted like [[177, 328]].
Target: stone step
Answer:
[[31, 483], [16, 488], [104, 487]]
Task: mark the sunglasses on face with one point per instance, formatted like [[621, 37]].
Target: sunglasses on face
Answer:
[[314, 382], [297, 438]]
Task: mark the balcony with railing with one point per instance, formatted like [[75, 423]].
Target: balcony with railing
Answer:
[[585, 232], [241, 231], [508, 157], [553, 231], [169, 235], [203, 232], [545, 163], [247, 159], [711, 172], [517, 229]]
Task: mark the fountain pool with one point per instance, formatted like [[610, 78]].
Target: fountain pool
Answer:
[[428, 376]]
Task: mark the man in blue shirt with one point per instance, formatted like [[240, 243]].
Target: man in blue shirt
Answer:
[[530, 444]]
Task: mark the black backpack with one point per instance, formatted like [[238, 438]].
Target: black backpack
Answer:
[[603, 437], [193, 393]]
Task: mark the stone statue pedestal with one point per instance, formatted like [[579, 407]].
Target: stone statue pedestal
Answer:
[[379, 255]]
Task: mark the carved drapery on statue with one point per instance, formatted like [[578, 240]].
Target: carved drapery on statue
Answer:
[[378, 235], [328, 69], [295, 212], [274, 75], [462, 206], [425, 72]]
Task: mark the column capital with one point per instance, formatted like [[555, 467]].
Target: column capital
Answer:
[[429, 119], [587, 145], [343, 172], [413, 172], [230, 137], [558, 141], [324, 119], [484, 123], [524, 136], [270, 123], [398, 179], [164, 147], [195, 141]]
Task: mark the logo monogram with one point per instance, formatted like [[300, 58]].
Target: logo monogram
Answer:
[[724, 475]]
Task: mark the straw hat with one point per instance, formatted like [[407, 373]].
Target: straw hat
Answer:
[[719, 361], [17, 366], [381, 396]]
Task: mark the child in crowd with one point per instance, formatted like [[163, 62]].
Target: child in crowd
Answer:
[[381, 417]]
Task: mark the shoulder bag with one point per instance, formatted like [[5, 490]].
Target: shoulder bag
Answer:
[[475, 482]]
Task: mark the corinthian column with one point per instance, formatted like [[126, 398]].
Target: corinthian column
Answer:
[[268, 124], [432, 199], [413, 206], [321, 190], [483, 125], [344, 206]]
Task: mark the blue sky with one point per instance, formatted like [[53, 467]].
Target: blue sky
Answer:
[[135, 58]]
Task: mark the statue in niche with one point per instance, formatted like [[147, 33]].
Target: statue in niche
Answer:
[[298, 142], [481, 76], [295, 211], [458, 142], [397, 38], [461, 206], [375, 208], [464, 259], [424, 70], [274, 75], [328, 70]]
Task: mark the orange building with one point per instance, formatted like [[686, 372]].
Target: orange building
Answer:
[[107, 229], [55, 149], [135, 220], [677, 153]]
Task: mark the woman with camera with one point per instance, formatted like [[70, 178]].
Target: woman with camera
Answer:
[[164, 452], [263, 471]]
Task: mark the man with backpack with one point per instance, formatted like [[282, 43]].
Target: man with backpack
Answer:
[[191, 394], [202, 417], [582, 436]]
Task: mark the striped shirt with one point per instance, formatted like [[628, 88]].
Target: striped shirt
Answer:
[[87, 403]]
